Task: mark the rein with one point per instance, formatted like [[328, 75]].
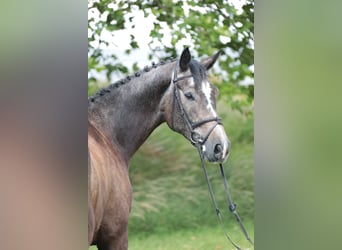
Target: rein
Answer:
[[198, 141], [231, 205]]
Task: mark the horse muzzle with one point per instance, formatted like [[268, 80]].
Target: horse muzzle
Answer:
[[217, 151], [217, 146]]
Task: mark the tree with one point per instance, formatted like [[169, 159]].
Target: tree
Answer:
[[212, 25]]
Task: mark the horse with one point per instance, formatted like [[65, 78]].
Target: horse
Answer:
[[120, 119]]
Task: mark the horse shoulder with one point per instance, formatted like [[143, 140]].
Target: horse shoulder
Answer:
[[110, 188]]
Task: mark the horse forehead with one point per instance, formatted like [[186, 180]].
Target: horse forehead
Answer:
[[191, 82], [207, 89]]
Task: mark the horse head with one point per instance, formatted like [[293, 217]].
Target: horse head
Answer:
[[190, 105]]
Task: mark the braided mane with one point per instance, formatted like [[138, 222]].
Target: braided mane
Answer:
[[112, 87]]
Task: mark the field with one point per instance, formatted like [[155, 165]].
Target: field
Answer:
[[171, 204], [208, 238]]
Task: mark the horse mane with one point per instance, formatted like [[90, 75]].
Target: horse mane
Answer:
[[113, 86]]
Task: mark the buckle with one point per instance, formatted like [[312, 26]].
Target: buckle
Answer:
[[196, 138]]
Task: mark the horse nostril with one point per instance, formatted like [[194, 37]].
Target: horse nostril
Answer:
[[218, 151]]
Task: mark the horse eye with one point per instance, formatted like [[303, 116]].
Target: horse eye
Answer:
[[189, 96]]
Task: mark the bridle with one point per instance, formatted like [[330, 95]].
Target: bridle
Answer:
[[199, 141], [194, 136]]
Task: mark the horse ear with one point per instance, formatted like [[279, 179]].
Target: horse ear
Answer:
[[210, 61], [185, 59]]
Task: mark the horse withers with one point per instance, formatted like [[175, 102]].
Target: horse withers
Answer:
[[120, 119]]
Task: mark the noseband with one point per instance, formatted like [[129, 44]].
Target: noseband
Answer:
[[199, 141], [195, 138]]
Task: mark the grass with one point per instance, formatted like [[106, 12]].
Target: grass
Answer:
[[197, 239], [203, 238], [168, 180]]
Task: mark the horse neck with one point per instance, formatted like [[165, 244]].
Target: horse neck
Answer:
[[127, 115]]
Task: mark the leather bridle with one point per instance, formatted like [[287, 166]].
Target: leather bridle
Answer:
[[194, 136], [199, 141]]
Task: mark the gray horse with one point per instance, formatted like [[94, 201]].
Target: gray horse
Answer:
[[120, 119]]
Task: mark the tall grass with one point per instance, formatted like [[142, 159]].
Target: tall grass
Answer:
[[170, 192]]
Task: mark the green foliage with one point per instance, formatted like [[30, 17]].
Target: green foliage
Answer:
[[212, 26]]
